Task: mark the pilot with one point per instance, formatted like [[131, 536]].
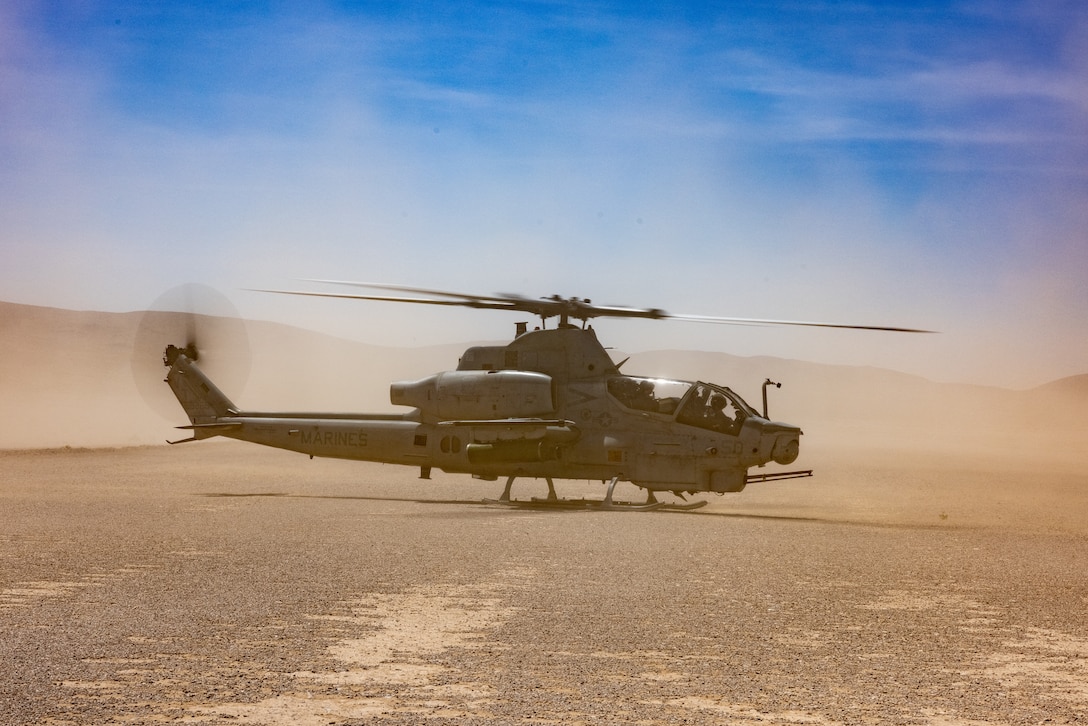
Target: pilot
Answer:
[[646, 401], [716, 417]]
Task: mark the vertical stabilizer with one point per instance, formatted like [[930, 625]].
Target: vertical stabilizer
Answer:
[[203, 402]]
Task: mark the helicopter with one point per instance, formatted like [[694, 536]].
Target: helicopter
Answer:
[[550, 404]]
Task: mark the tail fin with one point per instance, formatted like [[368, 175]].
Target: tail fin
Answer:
[[203, 402]]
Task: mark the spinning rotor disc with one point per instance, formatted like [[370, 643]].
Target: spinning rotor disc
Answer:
[[565, 308], [202, 321]]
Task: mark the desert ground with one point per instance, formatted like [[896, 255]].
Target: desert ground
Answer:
[[223, 583], [934, 571]]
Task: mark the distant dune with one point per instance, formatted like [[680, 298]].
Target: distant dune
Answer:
[[1073, 388], [66, 379]]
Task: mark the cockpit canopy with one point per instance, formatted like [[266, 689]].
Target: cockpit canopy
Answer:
[[703, 405]]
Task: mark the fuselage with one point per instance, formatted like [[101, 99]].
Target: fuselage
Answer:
[[550, 404]]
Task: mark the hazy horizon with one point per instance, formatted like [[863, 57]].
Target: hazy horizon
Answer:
[[96, 379], [649, 344]]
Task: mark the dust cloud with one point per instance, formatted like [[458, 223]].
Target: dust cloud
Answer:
[[69, 379]]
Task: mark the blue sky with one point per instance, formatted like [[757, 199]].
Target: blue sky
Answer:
[[921, 164]]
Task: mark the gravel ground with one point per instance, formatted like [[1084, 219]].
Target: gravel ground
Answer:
[[220, 583]]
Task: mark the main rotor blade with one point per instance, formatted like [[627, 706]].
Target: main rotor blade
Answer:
[[383, 298], [581, 309], [802, 323], [557, 306], [545, 306], [413, 290]]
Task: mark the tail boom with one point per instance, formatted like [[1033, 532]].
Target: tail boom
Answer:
[[388, 438]]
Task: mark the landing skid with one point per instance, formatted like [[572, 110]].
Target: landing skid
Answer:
[[553, 502], [540, 503]]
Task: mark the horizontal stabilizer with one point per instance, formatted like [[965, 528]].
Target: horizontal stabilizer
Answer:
[[224, 426], [206, 430]]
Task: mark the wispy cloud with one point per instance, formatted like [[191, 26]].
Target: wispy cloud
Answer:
[[868, 162]]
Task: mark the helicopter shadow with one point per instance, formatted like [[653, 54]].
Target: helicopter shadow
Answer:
[[533, 507]]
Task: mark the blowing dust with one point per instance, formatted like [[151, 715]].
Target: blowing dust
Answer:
[[70, 379]]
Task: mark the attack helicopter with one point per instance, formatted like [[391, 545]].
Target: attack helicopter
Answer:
[[550, 404]]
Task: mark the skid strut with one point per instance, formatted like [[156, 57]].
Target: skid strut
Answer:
[[607, 504], [552, 501], [510, 482]]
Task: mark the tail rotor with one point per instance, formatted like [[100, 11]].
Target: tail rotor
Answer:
[[199, 322]]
